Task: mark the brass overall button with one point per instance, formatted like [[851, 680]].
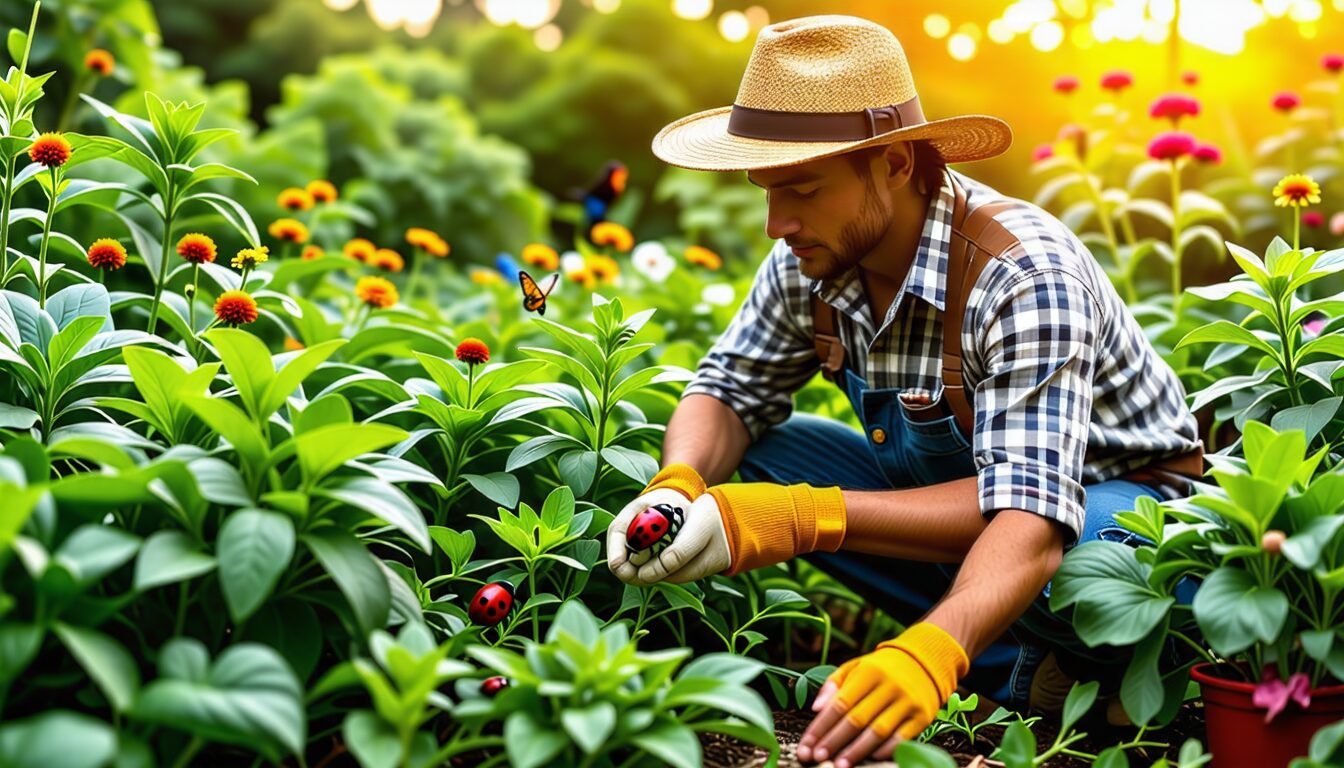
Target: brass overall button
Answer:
[[879, 436]]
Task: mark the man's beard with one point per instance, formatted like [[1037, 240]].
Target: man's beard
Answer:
[[858, 239]]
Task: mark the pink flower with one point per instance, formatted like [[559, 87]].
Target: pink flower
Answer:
[[1286, 101], [1208, 153], [1173, 107], [1314, 327], [1042, 152], [1190, 77], [1337, 224], [1171, 145], [1333, 62], [1273, 694], [1313, 219], [1117, 80], [1066, 84]]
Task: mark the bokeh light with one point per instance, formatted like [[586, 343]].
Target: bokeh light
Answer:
[[937, 26], [548, 37], [961, 47], [1047, 36], [693, 9], [734, 26]]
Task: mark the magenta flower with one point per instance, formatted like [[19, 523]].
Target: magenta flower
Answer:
[[1173, 107], [1286, 101], [1190, 77], [1117, 80], [1171, 145], [1333, 62], [1042, 152], [1208, 154], [1066, 84], [1273, 694], [1313, 219]]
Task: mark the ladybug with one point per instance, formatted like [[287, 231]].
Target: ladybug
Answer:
[[491, 603], [493, 685], [653, 529]]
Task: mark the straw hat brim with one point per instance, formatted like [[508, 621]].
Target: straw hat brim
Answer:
[[702, 142]]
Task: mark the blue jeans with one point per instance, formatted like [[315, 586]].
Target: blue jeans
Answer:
[[900, 450]]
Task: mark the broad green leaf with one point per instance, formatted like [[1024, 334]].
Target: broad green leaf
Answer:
[[255, 548], [1079, 700], [1234, 612], [93, 551], [106, 661], [169, 557], [233, 425], [1018, 747], [295, 371], [499, 487], [1223, 331], [728, 667], [734, 699], [371, 740], [636, 465], [916, 754], [1109, 590], [672, 742], [529, 742], [589, 726], [325, 449], [57, 737], [249, 365], [355, 572], [383, 500]]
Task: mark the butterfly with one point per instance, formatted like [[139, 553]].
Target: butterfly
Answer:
[[598, 198], [534, 296]]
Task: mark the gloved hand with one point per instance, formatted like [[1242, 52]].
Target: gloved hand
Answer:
[[741, 526], [675, 484], [873, 702]]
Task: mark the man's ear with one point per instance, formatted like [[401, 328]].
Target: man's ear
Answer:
[[900, 157]]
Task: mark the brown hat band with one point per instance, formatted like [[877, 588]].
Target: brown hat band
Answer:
[[823, 126]]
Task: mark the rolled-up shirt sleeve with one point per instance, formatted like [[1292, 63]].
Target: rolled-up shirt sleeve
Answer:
[[766, 353], [1034, 404]]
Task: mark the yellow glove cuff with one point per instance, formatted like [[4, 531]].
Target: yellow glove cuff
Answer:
[[941, 656], [679, 477], [769, 523]]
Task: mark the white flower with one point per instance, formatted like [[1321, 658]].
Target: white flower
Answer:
[[571, 261], [719, 294], [653, 261]]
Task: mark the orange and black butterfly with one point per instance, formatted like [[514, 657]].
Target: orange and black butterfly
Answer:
[[534, 296]]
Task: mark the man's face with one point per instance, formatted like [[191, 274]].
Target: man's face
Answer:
[[828, 211]]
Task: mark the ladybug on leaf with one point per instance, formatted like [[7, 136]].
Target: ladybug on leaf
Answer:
[[651, 531], [491, 603], [493, 685]]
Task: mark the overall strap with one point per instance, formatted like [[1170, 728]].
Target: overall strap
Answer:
[[825, 341]]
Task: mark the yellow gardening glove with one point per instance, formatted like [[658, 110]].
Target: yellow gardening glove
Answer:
[[897, 689], [768, 523], [676, 485], [678, 477]]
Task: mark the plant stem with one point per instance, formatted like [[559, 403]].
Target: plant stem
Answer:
[[1297, 228], [4, 218], [418, 255], [184, 759], [168, 204], [191, 303], [1175, 243], [46, 236]]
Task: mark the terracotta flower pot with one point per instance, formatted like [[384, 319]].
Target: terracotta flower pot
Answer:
[[1238, 736]]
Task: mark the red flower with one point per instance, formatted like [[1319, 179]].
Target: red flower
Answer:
[[196, 248], [235, 308], [1208, 153], [473, 351], [1042, 152], [107, 253], [1333, 62], [1066, 84], [1313, 218], [1173, 107], [1190, 77], [1117, 80], [1286, 101], [50, 149], [1171, 145]]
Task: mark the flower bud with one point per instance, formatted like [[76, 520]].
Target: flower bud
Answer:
[[1272, 541]]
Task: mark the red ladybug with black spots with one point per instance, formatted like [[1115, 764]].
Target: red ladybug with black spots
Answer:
[[653, 529], [493, 685], [491, 603]]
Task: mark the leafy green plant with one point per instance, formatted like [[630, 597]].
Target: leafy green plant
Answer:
[[954, 717]]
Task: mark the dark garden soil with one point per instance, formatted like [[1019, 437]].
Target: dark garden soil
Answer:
[[725, 752]]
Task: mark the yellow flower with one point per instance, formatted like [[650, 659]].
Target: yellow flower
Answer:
[[360, 249], [311, 252], [377, 292], [703, 257], [420, 237], [295, 199], [613, 234], [541, 255], [1297, 190], [604, 268], [251, 257], [388, 259], [292, 344], [584, 277], [321, 190], [289, 230], [486, 277]]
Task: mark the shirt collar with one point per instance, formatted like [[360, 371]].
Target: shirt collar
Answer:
[[927, 277]]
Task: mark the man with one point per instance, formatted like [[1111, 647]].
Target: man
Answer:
[[1011, 404]]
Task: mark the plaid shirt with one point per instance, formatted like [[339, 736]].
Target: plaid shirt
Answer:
[[1067, 389]]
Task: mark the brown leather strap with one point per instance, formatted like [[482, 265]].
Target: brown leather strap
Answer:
[[774, 125], [827, 344]]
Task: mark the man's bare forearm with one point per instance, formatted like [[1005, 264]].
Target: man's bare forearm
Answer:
[[707, 435], [1003, 573], [933, 523]]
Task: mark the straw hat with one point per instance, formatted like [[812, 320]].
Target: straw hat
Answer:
[[821, 86]]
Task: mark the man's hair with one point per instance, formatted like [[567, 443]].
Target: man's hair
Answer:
[[929, 163]]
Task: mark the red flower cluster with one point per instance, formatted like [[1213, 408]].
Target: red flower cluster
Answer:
[[1066, 84], [1042, 152], [1286, 101], [236, 308], [1117, 80], [1313, 219], [1171, 145], [106, 253], [50, 149], [1174, 106], [196, 248], [1208, 153], [1333, 62], [1190, 77], [473, 351]]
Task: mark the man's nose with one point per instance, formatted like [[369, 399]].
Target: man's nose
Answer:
[[780, 223]]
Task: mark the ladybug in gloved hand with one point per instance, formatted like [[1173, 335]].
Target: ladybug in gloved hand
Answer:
[[651, 531]]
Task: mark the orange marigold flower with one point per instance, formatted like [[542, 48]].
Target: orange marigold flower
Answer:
[[583, 277], [100, 61], [613, 234], [359, 249], [376, 292], [50, 149], [289, 230], [251, 257], [295, 199], [388, 259], [1297, 190], [604, 268], [420, 237], [292, 344], [703, 257], [106, 253], [439, 248], [321, 190], [541, 256], [196, 248], [473, 351], [311, 252], [486, 277], [235, 308]]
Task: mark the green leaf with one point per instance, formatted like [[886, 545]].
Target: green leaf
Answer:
[[169, 557], [371, 740], [529, 742], [734, 699], [255, 547], [915, 754], [93, 551], [1018, 747], [499, 487], [295, 371], [1112, 757], [249, 696], [1310, 418], [536, 449], [355, 572], [636, 465], [1109, 590], [325, 449], [19, 643], [233, 425], [57, 737], [577, 469], [106, 661], [589, 726], [671, 742], [87, 300], [458, 545], [728, 667], [1224, 331], [1080, 699], [1141, 689], [1234, 612], [383, 500], [249, 365]]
